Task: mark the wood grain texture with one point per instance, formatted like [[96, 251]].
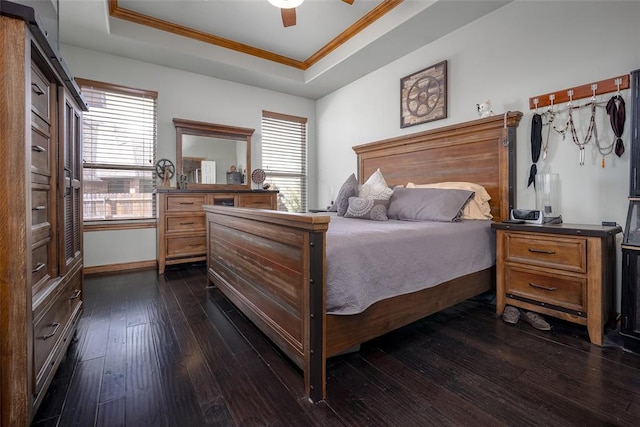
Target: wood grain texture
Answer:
[[261, 260], [451, 368], [15, 217]]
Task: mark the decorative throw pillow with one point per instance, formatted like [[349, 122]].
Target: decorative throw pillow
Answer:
[[428, 204], [348, 189], [375, 209], [376, 187], [477, 208]]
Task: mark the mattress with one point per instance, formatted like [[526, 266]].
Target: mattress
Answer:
[[368, 261]]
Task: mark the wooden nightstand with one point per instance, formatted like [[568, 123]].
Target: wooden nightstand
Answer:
[[561, 270]]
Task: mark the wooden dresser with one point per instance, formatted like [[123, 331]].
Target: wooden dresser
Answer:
[[564, 270], [40, 213], [182, 235]]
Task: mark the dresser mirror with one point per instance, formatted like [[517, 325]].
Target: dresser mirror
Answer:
[[213, 156]]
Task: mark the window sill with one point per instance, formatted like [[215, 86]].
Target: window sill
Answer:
[[118, 225]]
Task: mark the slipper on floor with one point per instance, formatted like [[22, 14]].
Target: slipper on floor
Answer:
[[536, 321], [511, 315]]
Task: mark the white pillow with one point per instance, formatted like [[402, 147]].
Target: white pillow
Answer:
[[375, 187], [477, 208]]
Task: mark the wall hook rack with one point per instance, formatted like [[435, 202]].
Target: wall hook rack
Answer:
[[589, 90]]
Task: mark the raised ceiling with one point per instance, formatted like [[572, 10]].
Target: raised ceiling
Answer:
[[333, 43]]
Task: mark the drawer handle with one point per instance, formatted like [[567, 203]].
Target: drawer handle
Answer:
[[546, 288], [39, 208], [542, 251], [38, 148], [76, 294], [39, 266], [55, 327], [187, 223], [37, 89], [186, 203], [195, 245]]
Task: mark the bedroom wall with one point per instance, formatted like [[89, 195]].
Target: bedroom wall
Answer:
[[524, 49], [187, 96]]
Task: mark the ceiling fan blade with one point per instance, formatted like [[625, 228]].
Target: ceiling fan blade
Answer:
[[288, 17], [348, 1]]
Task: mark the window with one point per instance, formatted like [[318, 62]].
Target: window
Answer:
[[119, 150], [284, 158]]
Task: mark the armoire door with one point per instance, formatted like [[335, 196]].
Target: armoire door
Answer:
[[70, 157]]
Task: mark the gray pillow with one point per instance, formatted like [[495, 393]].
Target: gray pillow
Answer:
[[375, 209], [348, 189], [427, 204]]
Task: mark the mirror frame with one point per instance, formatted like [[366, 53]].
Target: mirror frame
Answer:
[[232, 133]]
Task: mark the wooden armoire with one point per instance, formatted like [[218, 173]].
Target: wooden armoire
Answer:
[[40, 212]]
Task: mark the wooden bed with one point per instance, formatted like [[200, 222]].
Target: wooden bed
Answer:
[[271, 264]]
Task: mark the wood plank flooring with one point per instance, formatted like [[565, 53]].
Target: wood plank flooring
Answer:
[[168, 351]]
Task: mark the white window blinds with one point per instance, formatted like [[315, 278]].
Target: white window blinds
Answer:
[[119, 152], [284, 158]]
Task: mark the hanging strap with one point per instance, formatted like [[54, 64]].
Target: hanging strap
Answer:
[[617, 113], [536, 146]]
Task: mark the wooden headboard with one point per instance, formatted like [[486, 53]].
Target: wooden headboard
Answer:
[[475, 151]]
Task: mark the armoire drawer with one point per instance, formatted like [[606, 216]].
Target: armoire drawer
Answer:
[[186, 246], [40, 205], [40, 93], [185, 202], [40, 149], [186, 223], [40, 263], [48, 329], [568, 254]]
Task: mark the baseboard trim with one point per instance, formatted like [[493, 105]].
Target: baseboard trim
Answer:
[[124, 266]]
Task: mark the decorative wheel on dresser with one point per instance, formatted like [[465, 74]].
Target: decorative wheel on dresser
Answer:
[[561, 270]]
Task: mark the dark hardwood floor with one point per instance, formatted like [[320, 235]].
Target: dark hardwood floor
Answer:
[[167, 351]]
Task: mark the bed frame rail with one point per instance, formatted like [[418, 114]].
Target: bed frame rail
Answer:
[[271, 265]]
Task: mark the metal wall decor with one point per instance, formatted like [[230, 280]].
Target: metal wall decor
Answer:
[[423, 95]]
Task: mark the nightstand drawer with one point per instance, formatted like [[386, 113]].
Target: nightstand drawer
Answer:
[[547, 289], [186, 223], [569, 254], [186, 246], [185, 203]]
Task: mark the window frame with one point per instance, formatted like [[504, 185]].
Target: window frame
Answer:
[[128, 223], [304, 177]]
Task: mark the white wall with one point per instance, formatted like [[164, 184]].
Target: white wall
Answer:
[[522, 50], [187, 96]]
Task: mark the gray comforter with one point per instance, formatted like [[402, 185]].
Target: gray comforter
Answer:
[[368, 261]]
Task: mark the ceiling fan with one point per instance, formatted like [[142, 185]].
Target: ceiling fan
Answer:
[[288, 10]]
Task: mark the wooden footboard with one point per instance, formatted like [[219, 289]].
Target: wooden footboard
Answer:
[[271, 265]]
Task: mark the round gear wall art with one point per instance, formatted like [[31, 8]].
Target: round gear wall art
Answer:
[[423, 96]]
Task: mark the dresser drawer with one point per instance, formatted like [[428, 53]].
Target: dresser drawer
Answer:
[[49, 328], [184, 203], [255, 201], [186, 246], [548, 289], [40, 94], [569, 254], [186, 223]]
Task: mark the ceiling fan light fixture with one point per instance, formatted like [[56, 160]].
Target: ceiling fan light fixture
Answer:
[[286, 4]]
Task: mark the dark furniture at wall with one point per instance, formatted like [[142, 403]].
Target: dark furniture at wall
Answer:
[[40, 212], [630, 301]]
